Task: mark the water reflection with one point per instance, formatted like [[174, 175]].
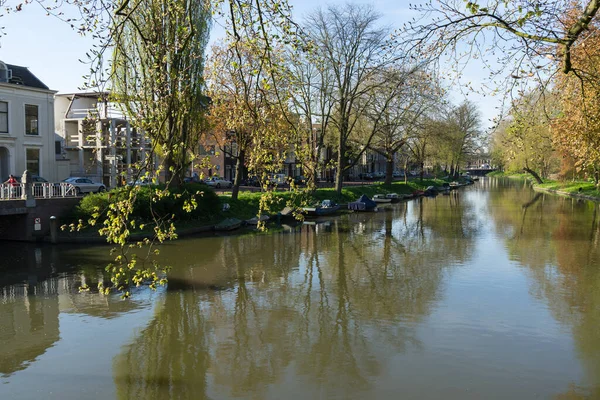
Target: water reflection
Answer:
[[558, 240], [328, 304], [435, 298]]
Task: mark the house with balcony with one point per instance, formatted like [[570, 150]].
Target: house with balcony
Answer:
[[98, 139], [26, 124]]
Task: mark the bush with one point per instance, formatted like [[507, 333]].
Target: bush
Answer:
[[208, 203]]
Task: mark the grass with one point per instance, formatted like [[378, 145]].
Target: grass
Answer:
[[247, 204], [574, 187], [581, 187]]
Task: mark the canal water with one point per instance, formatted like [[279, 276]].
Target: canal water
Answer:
[[492, 292]]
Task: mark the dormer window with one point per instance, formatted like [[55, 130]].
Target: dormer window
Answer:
[[31, 120], [3, 117]]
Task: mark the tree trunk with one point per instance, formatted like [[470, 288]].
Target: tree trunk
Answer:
[[406, 170], [422, 171], [239, 166], [341, 163], [534, 174], [389, 171]]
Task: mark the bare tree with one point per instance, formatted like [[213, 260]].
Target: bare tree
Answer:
[[397, 109], [527, 37], [354, 49]]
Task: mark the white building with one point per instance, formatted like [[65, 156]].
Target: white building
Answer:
[[26, 124], [97, 139]]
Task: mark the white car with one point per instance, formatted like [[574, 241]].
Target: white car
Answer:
[[218, 182], [85, 185]]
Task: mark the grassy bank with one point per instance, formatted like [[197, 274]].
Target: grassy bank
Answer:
[[583, 188], [210, 206]]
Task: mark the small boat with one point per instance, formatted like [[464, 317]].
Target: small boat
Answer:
[[394, 197], [327, 207], [430, 191], [228, 224], [255, 220], [381, 199], [362, 204]]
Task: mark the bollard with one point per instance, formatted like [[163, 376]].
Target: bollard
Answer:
[[53, 229]]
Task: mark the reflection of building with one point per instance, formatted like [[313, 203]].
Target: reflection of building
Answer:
[[26, 124], [97, 138]]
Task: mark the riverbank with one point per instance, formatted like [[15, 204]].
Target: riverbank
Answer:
[[578, 189], [247, 206]]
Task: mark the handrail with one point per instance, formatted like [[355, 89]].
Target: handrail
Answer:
[[39, 190]]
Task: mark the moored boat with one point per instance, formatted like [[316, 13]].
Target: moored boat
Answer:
[[364, 203], [228, 224], [255, 220], [327, 207], [381, 199], [394, 197]]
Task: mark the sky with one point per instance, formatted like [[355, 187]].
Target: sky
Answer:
[[52, 50]]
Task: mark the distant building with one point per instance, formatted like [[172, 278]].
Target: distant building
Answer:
[[26, 124], [97, 138]]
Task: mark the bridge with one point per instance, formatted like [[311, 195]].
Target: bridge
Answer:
[[25, 209], [479, 171]]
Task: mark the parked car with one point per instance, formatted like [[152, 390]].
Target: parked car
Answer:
[[300, 180], [141, 182], [251, 181], [218, 182], [192, 179], [85, 185], [397, 174]]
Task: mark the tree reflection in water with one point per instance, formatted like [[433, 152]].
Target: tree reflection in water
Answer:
[[327, 304], [558, 240]]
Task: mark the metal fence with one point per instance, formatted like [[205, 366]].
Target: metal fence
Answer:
[[47, 190]]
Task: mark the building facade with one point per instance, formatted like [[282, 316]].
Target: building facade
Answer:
[[97, 138], [27, 140]]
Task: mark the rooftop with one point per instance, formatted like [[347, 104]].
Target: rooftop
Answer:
[[22, 76]]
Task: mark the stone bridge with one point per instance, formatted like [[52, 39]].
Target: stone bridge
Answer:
[[29, 220]]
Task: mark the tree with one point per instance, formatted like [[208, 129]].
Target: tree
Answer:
[[527, 37], [246, 112], [157, 74], [577, 128], [312, 102], [525, 140], [459, 135], [354, 50], [396, 111]]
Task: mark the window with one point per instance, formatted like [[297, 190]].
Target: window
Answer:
[[33, 161], [57, 147], [3, 117], [31, 120]]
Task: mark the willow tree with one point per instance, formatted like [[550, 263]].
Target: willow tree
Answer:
[[158, 65]]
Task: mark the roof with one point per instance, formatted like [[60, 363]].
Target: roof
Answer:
[[22, 76]]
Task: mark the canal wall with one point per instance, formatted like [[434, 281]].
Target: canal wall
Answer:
[[24, 220]]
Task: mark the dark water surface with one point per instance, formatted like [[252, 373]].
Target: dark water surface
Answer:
[[492, 292]]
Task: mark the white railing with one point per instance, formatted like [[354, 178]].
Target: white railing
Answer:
[[46, 190]]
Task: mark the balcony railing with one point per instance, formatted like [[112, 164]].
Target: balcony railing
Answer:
[[46, 190]]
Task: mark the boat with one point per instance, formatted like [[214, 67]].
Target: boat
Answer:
[[327, 207], [255, 220], [362, 204], [228, 224], [430, 191], [394, 197], [381, 199]]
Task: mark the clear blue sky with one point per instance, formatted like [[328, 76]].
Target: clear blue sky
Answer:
[[52, 49]]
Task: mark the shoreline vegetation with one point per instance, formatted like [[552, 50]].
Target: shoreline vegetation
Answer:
[[211, 207], [572, 188]]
